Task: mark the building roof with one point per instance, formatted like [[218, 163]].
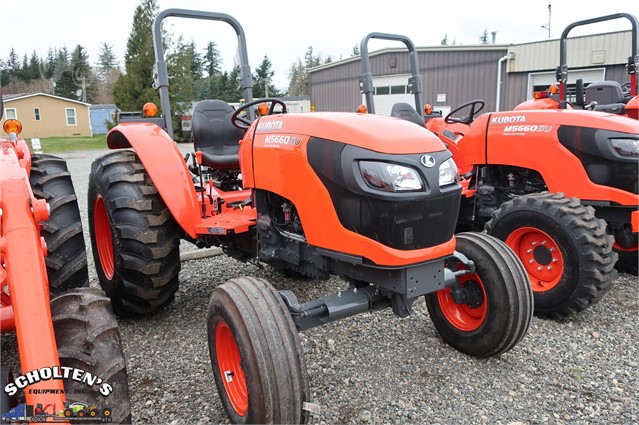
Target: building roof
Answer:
[[11, 97], [438, 48]]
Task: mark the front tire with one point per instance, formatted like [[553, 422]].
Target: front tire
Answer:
[[565, 249], [498, 314], [134, 237], [88, 338], [256, 354], [628, 261], [66, 260]]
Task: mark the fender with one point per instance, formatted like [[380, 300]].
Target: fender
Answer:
[[165, 166]]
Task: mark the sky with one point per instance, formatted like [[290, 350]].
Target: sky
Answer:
[[283, 30]]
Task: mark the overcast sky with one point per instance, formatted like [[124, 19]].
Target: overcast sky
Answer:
[[283, 29]]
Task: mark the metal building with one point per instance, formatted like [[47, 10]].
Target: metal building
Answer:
[[503, 75]]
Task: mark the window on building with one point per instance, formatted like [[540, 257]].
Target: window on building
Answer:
[[382, 90], [36, 113], [70, 112], [398, 89], [10, 114]]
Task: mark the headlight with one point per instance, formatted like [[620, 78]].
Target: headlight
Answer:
[[447, 172], [390, 177], [626, 147]]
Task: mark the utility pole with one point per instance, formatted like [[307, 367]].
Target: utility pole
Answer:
[[547, 26], [266, 87]]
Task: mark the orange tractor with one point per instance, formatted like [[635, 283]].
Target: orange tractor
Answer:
[[603, 96], [371, 199], [65, 330], [559, 187]]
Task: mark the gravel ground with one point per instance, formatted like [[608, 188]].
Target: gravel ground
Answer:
[[376, 368]]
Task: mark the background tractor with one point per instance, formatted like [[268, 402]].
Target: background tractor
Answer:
[[559, 187], [45, 299], [605, 96], [371, 199]]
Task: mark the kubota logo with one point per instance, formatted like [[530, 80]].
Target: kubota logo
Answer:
[[428, 161], [510, 119], [269, 126]]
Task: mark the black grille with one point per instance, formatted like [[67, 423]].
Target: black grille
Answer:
[[403, 221]]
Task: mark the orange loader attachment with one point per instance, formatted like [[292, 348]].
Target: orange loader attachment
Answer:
[[22, 250]]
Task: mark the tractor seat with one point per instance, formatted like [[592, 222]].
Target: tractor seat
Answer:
[[215, 136], [604, 93], [407, 112]]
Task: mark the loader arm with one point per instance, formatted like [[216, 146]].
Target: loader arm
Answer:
[[22, 251]]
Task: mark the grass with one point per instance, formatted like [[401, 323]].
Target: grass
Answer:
[[67, 144]]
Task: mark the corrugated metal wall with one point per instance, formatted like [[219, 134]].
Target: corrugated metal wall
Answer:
[[466, 73], [461, 73], [585, 51]]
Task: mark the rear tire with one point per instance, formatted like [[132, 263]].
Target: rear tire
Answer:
[[134, 237], [565, 250], [501, 319], [66, 260], [88, 338], [256, 354]]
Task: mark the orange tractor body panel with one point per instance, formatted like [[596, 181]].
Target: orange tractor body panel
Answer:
[[506, 138], [165, 166]]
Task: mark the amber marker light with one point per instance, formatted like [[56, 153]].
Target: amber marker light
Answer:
[[12, 126], [149, 109], [262, 108], [554, 89], [428, 109], [362, 109], [540, 95]]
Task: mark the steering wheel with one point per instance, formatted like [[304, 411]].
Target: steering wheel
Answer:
[[243, 123], [475, 107]]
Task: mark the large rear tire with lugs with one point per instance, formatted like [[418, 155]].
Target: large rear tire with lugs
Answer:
[[564, 248], [256, 354], [498, 305], [88, 339], [134, 238], [66, 260]]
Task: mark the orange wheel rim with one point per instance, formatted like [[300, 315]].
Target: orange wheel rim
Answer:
[[618, 247], [231, 372], [540, 256], [103, 238], [463, 316]]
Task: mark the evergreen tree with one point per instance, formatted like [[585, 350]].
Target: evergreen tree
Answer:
[[483, 39], [356, 50], [34, 67], [297, 81], [212, 60], [13, 64], [83, 74], [262, 80], [49, 66], [107, 62], [24, 73], [134, 88], [107, 72], [444, 41]]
